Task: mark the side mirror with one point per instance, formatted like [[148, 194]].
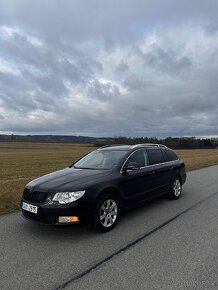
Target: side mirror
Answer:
[[132, 166]]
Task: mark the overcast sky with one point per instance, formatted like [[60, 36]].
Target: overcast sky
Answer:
[[109, 68]]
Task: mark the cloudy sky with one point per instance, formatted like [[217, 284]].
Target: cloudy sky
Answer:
[[109, 68]]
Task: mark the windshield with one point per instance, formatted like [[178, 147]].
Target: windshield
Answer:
[[100, 159]]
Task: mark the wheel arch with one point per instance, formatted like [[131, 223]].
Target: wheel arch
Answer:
[[112, 190], [177, 173]]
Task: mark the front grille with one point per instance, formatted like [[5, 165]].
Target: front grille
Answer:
[[39, 218], [35, 196]]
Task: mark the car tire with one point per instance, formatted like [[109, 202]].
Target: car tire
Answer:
[[175, 188], [106, 213]]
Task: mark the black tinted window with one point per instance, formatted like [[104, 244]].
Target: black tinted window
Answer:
[[171, 155], [139, 157], [155, 156]]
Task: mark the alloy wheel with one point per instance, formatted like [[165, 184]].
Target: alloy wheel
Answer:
[[177, 188], [108, 213]]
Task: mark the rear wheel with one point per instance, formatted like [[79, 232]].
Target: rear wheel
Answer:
[[176, 189], [106, 213]]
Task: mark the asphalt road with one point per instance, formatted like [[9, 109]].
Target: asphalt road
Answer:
[[161, 245]]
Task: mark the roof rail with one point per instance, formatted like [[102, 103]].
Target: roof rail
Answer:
[[111, 145], [149, 144]]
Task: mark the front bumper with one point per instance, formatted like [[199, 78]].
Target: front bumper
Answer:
[[48, 214]]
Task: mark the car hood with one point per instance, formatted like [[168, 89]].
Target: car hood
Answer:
[[66, 179]]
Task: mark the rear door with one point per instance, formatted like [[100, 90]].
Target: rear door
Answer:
[[161, 170]]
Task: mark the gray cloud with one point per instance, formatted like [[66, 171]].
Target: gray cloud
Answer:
[[122, 67], [166, 61], [109, 68], [212, 28]]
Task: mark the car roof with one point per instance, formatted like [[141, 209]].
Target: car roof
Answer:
[[116, 147], [131, 147]]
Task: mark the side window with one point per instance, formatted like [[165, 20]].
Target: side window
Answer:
[[155, 156], [146, 157], [166, 159], [139, 157], [171, 155]]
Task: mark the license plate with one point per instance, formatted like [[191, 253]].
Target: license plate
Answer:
[[29, 207]]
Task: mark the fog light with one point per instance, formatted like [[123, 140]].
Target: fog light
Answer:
[[68, 219]]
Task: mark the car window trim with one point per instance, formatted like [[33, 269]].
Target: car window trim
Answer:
[[121, 170]]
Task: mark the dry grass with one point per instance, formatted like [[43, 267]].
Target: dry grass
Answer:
[[198, 158], [20, 162]]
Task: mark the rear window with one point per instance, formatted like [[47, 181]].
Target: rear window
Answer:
[[171, 155], [155, 156]]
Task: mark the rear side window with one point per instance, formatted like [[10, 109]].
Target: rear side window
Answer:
[[171, 155], [155, 156]]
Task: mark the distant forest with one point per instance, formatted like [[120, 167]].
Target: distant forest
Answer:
[[176, 143]]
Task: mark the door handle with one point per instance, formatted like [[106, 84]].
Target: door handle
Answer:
[[151, 172]]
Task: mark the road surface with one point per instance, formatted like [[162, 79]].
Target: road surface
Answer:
[[161, 245]]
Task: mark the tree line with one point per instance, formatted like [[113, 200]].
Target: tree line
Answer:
[[172, 142]]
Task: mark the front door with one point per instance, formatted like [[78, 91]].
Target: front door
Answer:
[[136, 184]]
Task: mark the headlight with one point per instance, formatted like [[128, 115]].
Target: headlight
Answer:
[[67, 197]]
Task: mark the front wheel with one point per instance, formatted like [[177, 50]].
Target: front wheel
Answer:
[[176, 189], [106, 213]]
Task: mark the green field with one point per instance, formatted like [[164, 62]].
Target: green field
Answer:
[[21, 162]]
